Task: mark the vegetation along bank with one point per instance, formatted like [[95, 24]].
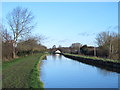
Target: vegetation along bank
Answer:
[[108, 64], [22, 72]]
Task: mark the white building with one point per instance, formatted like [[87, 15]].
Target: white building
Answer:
[[58, 51]]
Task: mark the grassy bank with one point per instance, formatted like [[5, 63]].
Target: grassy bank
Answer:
[[94, 58], [34, 80], [107, 64], [22, 72]]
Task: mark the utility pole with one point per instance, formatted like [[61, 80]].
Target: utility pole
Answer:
[[110, 48], [79, 50], [94, 51]]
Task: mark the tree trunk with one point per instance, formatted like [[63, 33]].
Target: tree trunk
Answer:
[[14, 51], [110, 48], [94, 51], [14, 54]]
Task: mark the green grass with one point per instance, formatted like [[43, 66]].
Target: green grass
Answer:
[[22, 72], [94, 58], [34, 81]]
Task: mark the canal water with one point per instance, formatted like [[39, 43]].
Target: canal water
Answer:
[[58, 71]]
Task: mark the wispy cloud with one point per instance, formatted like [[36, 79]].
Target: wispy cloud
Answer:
[[64, 40], [112, 28], [86, 34], [115, 27]]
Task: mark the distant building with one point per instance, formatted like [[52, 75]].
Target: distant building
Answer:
[[76, 45], [75, 48], [65, 49], [58, 51]]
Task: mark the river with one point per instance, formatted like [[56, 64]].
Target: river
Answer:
[[57, 71]]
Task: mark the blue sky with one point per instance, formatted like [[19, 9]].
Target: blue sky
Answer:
[[69, 22]]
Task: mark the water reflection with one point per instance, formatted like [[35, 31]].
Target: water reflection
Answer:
[[104, 72], [60, 72], [59, 56], [54, 56], [44, 58]]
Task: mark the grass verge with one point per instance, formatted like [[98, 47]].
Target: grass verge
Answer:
[[34, 80], [22, 72], [93, 58]]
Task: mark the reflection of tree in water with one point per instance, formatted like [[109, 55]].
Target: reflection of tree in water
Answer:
[[104, 72], [45, 58], [54, 56], [41, 66], [60, 56]]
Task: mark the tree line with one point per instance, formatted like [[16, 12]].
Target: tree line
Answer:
[[17, 39], [108, 43], [107, 46]]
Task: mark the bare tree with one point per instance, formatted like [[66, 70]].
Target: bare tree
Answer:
[[7, 43], [0, 43], [102, 38], [108, 40], [19, 21], [6, 37], [54, 46]]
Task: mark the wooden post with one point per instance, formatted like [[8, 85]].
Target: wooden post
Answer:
[[94, 51]]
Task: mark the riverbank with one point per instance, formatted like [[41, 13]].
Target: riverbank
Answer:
[[22, 72], [108, 64]]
